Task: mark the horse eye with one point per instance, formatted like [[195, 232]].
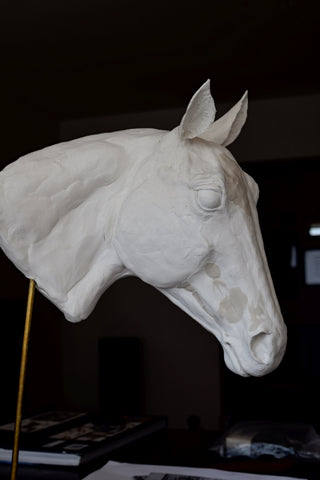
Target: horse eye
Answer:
[[209, 199]]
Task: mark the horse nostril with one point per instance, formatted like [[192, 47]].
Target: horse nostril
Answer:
[[259, 347]]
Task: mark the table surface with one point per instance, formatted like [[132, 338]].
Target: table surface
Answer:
[[173, 447]]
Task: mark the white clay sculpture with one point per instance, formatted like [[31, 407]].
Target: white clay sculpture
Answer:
[[172, 208]]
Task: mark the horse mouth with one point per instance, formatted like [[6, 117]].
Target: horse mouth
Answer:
[[255, 369]]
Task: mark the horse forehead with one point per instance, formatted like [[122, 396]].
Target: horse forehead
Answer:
[[196, 163], [193, 161]]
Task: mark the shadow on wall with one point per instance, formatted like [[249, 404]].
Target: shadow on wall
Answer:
[[180, 360]]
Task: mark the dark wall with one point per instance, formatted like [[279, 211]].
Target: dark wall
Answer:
[[43, 379]]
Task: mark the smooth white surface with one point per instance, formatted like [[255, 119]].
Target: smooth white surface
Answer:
[[126, 471], [173, 208]]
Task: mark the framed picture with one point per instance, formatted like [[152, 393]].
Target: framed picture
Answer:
[[312, 267]]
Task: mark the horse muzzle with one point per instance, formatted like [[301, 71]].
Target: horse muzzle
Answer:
[[259, 355]]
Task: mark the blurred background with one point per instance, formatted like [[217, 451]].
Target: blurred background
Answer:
[[72, 68]]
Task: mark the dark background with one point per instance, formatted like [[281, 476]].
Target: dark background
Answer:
[[63, 60], [66, 59]]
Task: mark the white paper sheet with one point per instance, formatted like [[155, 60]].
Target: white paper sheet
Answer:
[[125, 471]]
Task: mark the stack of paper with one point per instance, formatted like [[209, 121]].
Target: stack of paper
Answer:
[[128, 471]]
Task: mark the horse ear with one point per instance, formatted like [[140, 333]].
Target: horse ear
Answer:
[[200, 113], [225, 130]]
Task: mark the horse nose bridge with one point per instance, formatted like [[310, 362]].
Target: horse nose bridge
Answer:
[[248, 243], [253, 274]]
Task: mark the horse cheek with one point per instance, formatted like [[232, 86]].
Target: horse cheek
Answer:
[[157, 246]]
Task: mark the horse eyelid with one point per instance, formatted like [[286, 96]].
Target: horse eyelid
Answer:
[[209, 199]]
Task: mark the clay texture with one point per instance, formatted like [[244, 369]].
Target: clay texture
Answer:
[[173, 208]]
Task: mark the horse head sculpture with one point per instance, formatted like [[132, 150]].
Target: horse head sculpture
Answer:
[[172, 208]]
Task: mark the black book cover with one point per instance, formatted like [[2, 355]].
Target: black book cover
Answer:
[[74, 442]]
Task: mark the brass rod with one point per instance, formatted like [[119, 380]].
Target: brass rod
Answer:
[[26, 336]]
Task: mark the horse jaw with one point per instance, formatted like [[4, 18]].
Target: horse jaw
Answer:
[[252, 334]]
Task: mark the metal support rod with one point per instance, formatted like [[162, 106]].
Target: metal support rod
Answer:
[[26, 336]]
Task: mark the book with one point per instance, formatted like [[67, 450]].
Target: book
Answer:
[[130, 471], [73, 440], [44, 422]]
